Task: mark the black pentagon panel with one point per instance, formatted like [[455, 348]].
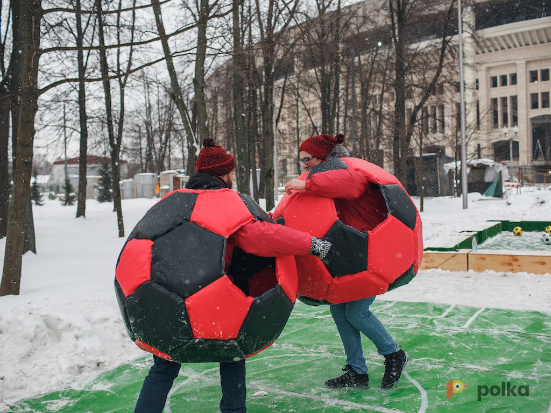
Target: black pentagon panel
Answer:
[[187, 259], [244, 266], [256, 210], [313, 302], [280, 220], [122, 306], [266, 319], [164, 216], [350, 255], [201, 350], [158, 317], [403, 279], [400, 204], [328, 165]]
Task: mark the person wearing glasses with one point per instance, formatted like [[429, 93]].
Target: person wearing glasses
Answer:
[[357, 206]]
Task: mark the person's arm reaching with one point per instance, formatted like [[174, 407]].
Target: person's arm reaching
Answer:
[[340, 183], [271, 240]]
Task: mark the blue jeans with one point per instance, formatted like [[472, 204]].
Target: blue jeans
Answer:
[[158, 383], [354, 317]]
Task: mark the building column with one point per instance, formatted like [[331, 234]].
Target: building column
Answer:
[[524, 136]]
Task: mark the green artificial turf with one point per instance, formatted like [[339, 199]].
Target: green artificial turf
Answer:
[[479, 347]]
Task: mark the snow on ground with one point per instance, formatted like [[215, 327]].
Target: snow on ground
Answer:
[[65, 326]]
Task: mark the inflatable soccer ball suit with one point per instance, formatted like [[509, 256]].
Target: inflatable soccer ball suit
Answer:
[[178, 298], [367, 263]]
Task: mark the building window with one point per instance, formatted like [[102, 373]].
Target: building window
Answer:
[[513, 79], [514, 110], [425, 121], [544, 75], [534, 100], [502, 151], [533, 76], [477, 115], [441, 113], [476, 84], [544, 100], [457, 116], [493, 81], [495, 114], [504, 112], [440, 89], [503, 80], [433, 120], [408, 116]]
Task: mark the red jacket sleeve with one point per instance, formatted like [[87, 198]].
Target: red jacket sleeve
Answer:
[[271, 240], [340, 183]]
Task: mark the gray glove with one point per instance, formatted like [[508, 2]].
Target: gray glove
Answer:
[[322, 249]]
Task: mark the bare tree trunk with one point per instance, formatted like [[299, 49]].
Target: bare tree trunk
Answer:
[[83, 119], [269, 125], [398, 21], [177, 96], [114, 143], [199, 79], [4, 161], [421, 174], [30, 27], [243, 163]]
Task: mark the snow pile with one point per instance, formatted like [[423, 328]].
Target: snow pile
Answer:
[[65, 326]]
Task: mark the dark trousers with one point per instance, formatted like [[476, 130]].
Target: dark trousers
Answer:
[[158, 383]]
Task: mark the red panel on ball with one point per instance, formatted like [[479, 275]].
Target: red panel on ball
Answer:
[[313, 277], [218, 310], [355, 287], [287, 276], [262, 281], [311, 214], [135, 265], [417, 244], [206, 212], [374, 173], [390, 249], [152, 350]]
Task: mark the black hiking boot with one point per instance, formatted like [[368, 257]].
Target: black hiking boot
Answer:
[[394, 365], [350, 379]]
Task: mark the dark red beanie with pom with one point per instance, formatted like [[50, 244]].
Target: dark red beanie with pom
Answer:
[[321, 145], [214, 159]]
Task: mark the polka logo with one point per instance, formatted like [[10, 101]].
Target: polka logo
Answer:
[[455, 386]]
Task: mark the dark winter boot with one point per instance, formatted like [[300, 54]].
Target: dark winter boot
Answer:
[[350, 379], [394, 365]]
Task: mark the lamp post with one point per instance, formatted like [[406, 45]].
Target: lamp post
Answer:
[[464, 184]]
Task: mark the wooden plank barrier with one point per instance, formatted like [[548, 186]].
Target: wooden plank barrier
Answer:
[[446, 260], [536, 262]]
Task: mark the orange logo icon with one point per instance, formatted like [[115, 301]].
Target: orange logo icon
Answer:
[[455, 386]]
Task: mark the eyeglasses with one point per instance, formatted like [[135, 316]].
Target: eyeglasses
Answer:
[[305, 161]]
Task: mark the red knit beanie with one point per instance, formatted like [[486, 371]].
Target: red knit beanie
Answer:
[[321, 145], [214, 159]]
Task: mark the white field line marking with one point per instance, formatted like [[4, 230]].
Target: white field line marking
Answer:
[[446, 312], [384, 307], [470, 320], [424, 397], [433, 317]]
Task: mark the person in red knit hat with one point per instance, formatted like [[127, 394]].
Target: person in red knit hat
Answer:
[[331, 178], [214, 169]]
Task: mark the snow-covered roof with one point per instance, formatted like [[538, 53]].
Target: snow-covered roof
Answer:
[[473, 163]]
